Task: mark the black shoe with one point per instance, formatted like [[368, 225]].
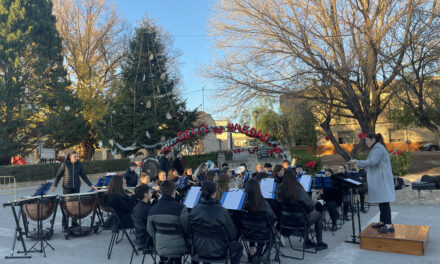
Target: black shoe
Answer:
[[321, 245], [334, 228], [386, 229], [364, 211], [309, 244], [378, 225], [347, 218], [65, 229]]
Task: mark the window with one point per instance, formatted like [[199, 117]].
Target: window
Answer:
[[346, 137], [396, 135]]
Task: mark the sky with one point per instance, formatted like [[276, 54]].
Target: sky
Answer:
[[186, 22]]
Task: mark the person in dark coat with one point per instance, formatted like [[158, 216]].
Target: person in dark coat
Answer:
[[164, 163], [210, 214], [130, 176], [122, 203], [178, 166], [140, 216], [71, 170]]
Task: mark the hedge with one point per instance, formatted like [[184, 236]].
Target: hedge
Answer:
[[42, 172], [400, 161], [195, 161], [303, 157]]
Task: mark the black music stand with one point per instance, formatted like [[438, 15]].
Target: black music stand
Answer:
[[354, 201], [41, 240], [18, 234]]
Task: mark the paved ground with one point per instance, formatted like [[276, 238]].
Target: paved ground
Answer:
[[93, 248]]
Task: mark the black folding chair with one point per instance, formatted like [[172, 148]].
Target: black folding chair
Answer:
[[167, 229], [116, 227], [213, 233], [145, 251], [256, 228], [294, 222]]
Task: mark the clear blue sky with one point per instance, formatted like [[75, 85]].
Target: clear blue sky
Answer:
[[186, 22]]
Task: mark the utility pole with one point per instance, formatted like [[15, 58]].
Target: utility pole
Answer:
[[203, 98]]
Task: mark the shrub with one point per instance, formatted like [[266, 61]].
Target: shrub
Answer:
[[195, 160], [42, 172], [400, 162], [310, 163]]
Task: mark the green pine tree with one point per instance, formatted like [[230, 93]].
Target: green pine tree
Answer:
[[145, 108], [35, 102]]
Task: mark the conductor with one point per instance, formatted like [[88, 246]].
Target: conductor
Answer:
[[380, 180]]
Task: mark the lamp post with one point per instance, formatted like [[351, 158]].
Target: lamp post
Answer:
[[255, 113]]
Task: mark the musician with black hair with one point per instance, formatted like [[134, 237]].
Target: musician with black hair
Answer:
[[268, 168], [120, 201], [210, 214], [166, 214], [140, 216], [291, 193], [332, 197], [278, 173]]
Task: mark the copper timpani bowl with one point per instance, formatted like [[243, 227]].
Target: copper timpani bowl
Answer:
[[47, 204], [78, 205]]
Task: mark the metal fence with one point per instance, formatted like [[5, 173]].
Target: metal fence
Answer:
[[8, 186]]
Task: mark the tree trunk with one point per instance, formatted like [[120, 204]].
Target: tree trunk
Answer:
[[326, 127], [86, 148], [367, 126]]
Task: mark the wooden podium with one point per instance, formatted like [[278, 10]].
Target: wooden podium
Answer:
[[407, 239]]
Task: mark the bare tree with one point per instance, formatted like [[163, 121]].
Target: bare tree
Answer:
[[93, 42], [341, 53], [420, 80]]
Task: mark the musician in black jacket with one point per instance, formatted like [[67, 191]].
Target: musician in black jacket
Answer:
[[208, 214], [332, 197], [130, 176], [140, 216], [71, 169]]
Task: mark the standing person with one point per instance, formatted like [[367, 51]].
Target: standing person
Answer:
[[164, 163], [130, 176], [178, 166], [71, 170], [380, 179]]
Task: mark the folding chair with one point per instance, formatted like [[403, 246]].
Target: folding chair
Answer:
[[256, 228], [117, 226], [294, 221], [213, 233]]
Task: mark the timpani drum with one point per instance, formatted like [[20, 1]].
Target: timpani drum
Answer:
[[46, 203], [78, 205]]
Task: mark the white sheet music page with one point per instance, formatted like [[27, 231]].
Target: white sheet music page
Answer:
[[306, 182], [192, 198], [233, 199], [353, 181], [267, 188]]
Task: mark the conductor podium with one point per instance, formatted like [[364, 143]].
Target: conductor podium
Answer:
[[407, 239]]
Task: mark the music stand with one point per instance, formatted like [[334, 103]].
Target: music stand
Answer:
[[354, 201]]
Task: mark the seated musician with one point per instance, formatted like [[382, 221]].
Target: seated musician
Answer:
[[208, 214], [345, 189], [278, 173], [299, 170], [165, 215], [258, 169], [256, 204], [173, 175], [333, 199], [144, 178], [211, 175], [286, 165], [117, 199], [130, 176], [223, 183], [291, 192], [268, 168], [260, 175], [201, 171], [161, 177], [140, 216]]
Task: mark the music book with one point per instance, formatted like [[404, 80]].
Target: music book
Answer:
[[234, 199], [306, 182], [322, 181], [192, 197], [353, 181], [267, 186]]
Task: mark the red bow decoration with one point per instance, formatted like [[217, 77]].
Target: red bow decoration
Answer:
[[327, 138], [311, 164], [362, 135], [395, 152]]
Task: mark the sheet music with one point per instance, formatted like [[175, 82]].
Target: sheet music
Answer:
[[267, 186], [352, 181], [306, 182], [233, 199], [193, 196]]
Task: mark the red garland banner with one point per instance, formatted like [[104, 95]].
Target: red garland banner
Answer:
[[235, 128], [250, 150]]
